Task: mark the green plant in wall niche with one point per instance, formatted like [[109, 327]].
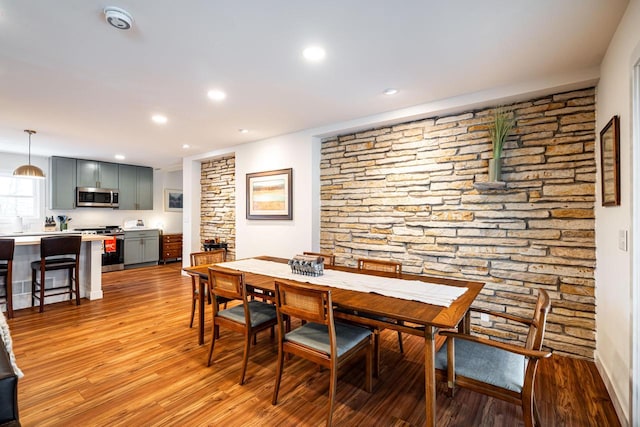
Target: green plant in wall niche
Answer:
[[503, 122]]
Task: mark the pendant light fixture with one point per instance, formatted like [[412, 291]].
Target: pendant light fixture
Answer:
[[29, 171]]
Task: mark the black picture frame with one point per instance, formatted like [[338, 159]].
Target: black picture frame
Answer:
[[270, 195], [610, 162]]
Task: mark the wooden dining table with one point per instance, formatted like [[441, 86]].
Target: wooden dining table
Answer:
[[372, 309]]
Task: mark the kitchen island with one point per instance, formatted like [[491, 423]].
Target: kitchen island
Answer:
[[28, 250]]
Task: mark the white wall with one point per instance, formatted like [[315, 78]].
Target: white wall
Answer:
[[170, 222], [283, 238], [613, 265]]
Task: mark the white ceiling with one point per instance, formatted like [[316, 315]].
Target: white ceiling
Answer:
[[90, 89]]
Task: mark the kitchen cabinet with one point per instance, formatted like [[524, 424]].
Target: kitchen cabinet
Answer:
[[136, 187], [170, 247], [91, 173], [62, 191], [141, 247], [134, 183]]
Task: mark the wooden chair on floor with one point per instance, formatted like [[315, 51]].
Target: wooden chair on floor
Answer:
[[329, 259], [7, 248], [501, 370], [56, 253], [203, 258], [248, 318], [380, 265], [387, 267], [321, 340]]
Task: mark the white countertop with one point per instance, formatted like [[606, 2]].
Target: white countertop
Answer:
[[141, 229], [30, 239]]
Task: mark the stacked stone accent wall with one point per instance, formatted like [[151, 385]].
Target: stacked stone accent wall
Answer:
[[406, 192], [218, 202]]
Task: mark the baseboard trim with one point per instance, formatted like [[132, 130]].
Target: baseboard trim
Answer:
[[623, 416]]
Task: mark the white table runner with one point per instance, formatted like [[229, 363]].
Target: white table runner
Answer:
[[416, 290]]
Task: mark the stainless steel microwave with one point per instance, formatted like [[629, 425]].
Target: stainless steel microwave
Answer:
[[96, 197]]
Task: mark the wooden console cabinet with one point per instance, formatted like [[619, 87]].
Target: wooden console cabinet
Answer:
[[170, 247]]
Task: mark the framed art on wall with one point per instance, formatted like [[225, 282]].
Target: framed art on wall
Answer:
[[610, 162], [269, 195], [172, 200]]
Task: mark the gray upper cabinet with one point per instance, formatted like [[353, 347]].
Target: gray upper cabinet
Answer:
[[97, 174], [145, 188], [63, 183], [136, 187], [135, 183]]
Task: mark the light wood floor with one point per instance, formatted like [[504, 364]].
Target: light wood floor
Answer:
[[131, 359]]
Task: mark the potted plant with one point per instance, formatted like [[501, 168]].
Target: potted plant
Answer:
[[502, 125]]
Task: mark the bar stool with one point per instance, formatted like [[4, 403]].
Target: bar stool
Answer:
[[7, 247], [56, 253]]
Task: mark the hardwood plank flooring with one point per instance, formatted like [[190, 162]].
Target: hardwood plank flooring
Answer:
[[131, 359]]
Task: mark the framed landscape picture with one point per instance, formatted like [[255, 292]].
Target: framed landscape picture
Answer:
[[269, 195], [172, 200], [610, 162]]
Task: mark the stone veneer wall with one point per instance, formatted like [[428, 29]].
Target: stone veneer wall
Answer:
[[406, 192], [218, 202]]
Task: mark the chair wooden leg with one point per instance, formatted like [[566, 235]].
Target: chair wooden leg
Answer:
[[333, 379], [376, 353], [451, 367], [77, 286], [279, 366], [245, 357], [193, 309], [536, 415], [33, 287], [368, 385], [528, 409], [9, 290], [71, 286], [42, 272], [400, 343], [213, 342]]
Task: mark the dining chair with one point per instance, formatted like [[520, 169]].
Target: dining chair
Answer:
[[498, 369], [203, 258], [56, 253], [330, 258], [247, 318], [321, 340], [375, 265], [7, 249]]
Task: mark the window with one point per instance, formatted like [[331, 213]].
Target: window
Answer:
[[19, 197]]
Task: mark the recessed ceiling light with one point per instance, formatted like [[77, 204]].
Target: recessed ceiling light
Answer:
[[216, 95], [390, 91], [243, 130], [314, 53], [185, 146], [119, 157], [159, 119]]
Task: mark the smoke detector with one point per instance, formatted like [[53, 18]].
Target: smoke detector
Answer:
[[119, 18]]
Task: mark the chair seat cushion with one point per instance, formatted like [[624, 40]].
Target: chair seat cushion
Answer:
[[487, 364], [55, 263], [316, 336], [260, 312]]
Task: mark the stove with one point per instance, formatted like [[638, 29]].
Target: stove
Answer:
[[110, 230], [112, 255]]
